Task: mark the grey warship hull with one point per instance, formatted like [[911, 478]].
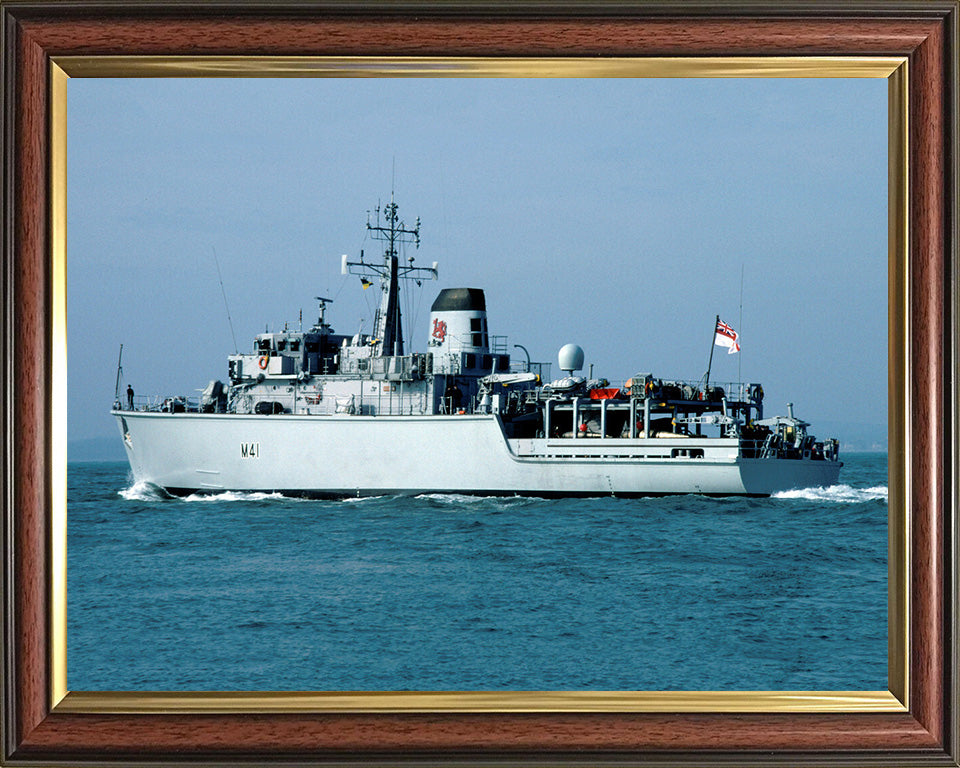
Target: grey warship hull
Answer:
[[314, 412], [330, 457]]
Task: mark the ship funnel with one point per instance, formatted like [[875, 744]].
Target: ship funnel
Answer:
[[571, 358], [458, 321]]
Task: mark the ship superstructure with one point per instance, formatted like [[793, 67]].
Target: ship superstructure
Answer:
[[314, 412]]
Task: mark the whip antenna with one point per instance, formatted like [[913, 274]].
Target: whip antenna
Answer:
[[224, 293], [116, 393], [740, 326]]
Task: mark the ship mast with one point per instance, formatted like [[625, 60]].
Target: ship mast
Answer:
[[387, 326]]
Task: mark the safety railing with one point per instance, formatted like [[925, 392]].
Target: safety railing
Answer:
[[683, 389], [158, 404]]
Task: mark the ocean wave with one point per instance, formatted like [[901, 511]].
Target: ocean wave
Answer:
[[841, 494], [453, 498], [236, 496], [469, 501], [144, 491]]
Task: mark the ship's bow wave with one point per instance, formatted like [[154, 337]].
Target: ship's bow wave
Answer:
[[238, 496], [141, 490], [144, 491]]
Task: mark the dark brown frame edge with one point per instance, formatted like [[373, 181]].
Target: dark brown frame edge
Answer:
[[926, 32]]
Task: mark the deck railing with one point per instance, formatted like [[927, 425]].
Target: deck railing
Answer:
[[159, 404]]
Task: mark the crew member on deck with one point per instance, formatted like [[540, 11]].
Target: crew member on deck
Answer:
[[453, 396], [129, 398]]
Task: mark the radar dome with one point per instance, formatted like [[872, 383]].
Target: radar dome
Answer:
[[571, 358]]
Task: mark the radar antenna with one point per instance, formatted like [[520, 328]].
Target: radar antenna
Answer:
[[322, 308]]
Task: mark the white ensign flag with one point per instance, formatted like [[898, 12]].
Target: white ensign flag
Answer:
[[727, 337]]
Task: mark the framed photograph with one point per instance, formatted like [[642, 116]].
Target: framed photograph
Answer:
[[87, 87]]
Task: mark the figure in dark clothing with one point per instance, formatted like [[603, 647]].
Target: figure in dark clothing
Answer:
[[129, 398], [453, 397]]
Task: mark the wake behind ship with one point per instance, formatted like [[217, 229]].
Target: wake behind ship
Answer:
[[316, 413]]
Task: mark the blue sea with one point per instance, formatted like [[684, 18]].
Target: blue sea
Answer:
[[255, 592]]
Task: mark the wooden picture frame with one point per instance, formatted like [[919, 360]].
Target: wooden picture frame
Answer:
[[40, 726]]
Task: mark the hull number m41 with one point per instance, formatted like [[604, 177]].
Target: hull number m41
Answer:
[[249, 450]]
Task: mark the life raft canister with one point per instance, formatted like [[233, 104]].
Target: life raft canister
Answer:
[[263, 363]]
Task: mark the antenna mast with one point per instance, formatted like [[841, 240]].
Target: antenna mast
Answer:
[[225, 305], [388, 329], [116, 393], [740, 326]]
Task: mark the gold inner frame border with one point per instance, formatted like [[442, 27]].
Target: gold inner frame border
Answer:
[[893, 69]]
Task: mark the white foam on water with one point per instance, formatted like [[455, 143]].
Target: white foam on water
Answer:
[[454, 498], [841, 494], [144, 491], [234, 496], [462, 500]]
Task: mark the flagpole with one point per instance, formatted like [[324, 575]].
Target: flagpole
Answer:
[[713, 340]]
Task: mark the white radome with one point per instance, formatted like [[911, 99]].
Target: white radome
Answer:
[[571, 358]]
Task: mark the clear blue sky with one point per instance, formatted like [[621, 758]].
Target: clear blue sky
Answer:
[[615, 214]]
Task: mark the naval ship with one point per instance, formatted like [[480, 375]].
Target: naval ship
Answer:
[[321, 414]]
